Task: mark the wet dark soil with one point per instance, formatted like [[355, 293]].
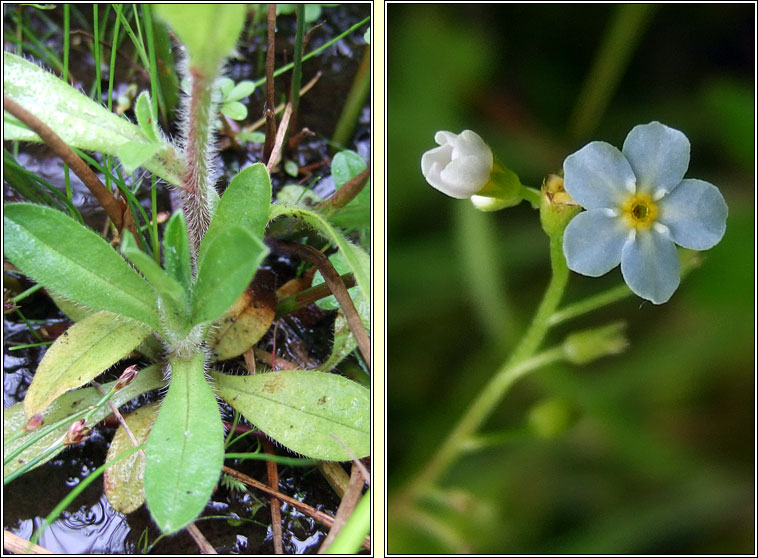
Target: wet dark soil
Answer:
[[239, 521]]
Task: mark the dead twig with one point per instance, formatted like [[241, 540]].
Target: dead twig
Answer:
[[276, 152], [347, 193], [317, 515], [202, 543], [276, 513], [279, 364], [347, 506], [339, 291], [14, 543], [279, 108], [112, 207]]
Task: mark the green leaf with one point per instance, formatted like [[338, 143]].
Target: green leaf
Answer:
[[123, 482], [291, 168], [77, 119], [135, 154], [66, 405], [73, 261], [145, 117], [241, 90], [251, 137], [173, 295], [176, 251], [234, 110], [357, 260], [225, 86], [81, 353], [346, 165], [303, 410], [75, 312], [245, 203], [209, 31], [224, 271], [185, 448]]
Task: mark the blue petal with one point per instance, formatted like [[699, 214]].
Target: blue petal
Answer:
[[593, 241], [597, 176], [650, 266], [659, 156], [695, 213]]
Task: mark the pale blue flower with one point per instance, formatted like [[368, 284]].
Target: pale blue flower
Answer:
[[639, 205]]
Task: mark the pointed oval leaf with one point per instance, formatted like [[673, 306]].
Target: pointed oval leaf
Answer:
[[245, 203], [241, 90], [209, 31], [224, 271], [303, 409], [185, 448], [244, 323], [145, 118], [134, 154], [82, 352], [176, 252], [77, 119], [123, 482], [70, 259], [14, 418], [175, 307]]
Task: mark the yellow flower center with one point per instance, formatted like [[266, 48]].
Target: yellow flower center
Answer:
[[640, 211]]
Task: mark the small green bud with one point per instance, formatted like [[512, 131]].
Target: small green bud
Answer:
[[557, 207], [591, 344], [551, 418]]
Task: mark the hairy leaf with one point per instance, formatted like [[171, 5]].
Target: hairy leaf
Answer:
[[224, 271], [77, 119], [185, 448], [176, 252], [66, 405], [245, 203], [304, 410], [82, 352], [73, 261], [209, 31]]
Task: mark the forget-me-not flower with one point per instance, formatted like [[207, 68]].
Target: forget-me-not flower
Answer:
[[461, 165], [639, 205]]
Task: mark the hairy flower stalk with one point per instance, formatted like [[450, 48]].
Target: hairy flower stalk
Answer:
[[199, 152]]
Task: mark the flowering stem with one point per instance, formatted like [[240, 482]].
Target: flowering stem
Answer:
[[519, 363]]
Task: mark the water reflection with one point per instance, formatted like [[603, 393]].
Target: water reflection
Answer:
[[94, 530]]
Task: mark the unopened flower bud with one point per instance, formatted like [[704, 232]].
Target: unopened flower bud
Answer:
[[557, 207], [77, 433], [461, 165], [588, 345], [552, 417], [34, 423], [126, 377]]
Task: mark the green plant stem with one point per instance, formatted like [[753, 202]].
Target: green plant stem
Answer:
[[519, 363], [612, 58], [355, 529], [288, 67], [297, 72], [355, 100]]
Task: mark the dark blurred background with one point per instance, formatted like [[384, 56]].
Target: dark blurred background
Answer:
[[651, 451]]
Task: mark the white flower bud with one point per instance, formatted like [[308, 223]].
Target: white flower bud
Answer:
[[460, 167]]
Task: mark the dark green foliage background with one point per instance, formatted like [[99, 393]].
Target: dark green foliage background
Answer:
[[660, 458]]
